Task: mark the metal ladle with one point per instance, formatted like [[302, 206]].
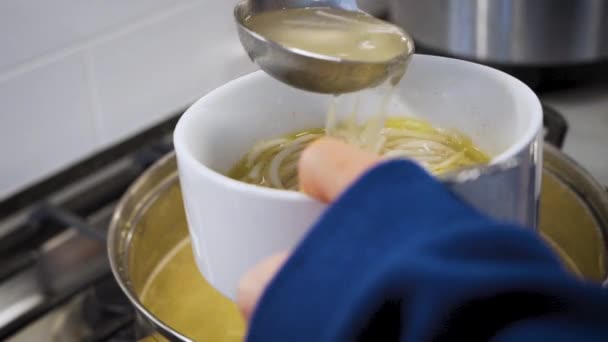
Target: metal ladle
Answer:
[[320, 74]]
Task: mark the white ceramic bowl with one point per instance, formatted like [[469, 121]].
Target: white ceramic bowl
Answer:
[[234, 225]]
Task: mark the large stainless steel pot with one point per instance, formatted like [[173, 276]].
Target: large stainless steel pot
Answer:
[[509, 32], [152, 259]]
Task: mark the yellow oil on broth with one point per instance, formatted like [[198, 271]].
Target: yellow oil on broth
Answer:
[[353, 36], [178, 294], [458, 151]]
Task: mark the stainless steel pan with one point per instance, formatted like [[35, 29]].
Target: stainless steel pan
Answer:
[[509, 32]]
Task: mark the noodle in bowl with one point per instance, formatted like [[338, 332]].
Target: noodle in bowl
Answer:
[[233, 225], [273, 163]]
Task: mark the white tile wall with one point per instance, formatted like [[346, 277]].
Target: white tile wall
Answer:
[[46, 121], [29, 28], [76, 76], [147, 73]]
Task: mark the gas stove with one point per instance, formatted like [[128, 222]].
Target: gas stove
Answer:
[[55, 281]]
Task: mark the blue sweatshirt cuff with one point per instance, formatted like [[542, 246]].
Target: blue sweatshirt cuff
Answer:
[[401, 256]]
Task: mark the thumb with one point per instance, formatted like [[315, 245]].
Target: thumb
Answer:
[[328, 167], [254, 282]]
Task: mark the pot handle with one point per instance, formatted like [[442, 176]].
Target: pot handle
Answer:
[[556, 127]]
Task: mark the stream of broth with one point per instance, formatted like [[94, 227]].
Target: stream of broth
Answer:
[[350, 36]]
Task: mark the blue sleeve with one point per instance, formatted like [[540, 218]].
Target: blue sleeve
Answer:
[[399, 258]]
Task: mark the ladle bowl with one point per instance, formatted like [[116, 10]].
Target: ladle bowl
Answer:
[[313, 72]]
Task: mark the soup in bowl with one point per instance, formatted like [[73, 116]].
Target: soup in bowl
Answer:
[[233, 224]]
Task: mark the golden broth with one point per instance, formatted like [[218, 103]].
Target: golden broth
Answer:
[[193, 308], [353, 36], [178, 295], [273, 163]]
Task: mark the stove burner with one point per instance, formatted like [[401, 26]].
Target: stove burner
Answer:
[[102, 313], [106, 309]]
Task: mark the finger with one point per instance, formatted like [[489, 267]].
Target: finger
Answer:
[[328, 167], [254, 282]]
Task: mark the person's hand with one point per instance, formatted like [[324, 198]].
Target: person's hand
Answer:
[[326, 169]]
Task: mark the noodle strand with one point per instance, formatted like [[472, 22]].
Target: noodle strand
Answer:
[[274, 163]]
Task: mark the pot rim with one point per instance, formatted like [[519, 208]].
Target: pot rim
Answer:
[[118, 245], [119, 242]]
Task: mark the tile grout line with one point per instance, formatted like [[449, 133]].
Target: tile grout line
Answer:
[[50, 57]]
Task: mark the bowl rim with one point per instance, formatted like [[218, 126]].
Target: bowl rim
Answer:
[[503, 160]]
